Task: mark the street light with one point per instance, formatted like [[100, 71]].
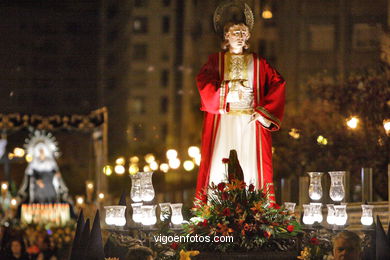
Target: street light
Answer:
[[193, 151], [171, 154], [386, 126], [119, 169], [353, 122], [107, 170], [188, 165]]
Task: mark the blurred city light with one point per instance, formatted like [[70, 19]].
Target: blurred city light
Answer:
[[19, 152], [119, 169], [134, 159], [193, 151], [164, 167], [352, 122], [171, 154], [120, 161], [133, 169], [107, 170], [322, 140], [188, 165], [149, 158], [174, 163], [154, 166]]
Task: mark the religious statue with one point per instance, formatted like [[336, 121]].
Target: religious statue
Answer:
[[243, 98], [42, 182]]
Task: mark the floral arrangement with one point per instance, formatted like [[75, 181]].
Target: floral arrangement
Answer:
[[316, 246], [236, 209]]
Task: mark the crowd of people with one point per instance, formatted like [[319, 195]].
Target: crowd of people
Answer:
[[15, 245]]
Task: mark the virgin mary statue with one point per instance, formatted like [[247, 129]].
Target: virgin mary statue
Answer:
[[42, 182]]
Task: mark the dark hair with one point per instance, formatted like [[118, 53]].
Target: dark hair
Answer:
[[352, 237], [22, 246], [139, 253]]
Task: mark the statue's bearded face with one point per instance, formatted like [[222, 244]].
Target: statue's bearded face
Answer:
[[237, 35]]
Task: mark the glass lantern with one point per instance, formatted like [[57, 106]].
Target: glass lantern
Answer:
[[367, 218], [148, 215], [308, 217], [137, 212], [340, 214], [135, 192], [177, 217], [330, 218], [336, 191], [164, 211], [147, 190], [115, 215], [317, 213], [290, 207], [315, 188]]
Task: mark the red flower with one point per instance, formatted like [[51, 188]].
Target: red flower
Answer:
[[221, 186], [226, 212], [33, 250], [267, 234], [225, 160], [290, 228], [174, 245], [203, 223], [251, 187], [225, 196], [314, 241]]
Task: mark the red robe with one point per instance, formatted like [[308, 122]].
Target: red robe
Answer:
[[269, 100]]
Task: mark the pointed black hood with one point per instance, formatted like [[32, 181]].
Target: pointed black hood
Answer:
[[77, 236], [122, 200], [95, 249], [84, 241], [382, 242]]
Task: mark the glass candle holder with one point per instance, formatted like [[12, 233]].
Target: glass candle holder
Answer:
[[336, 191], [165, 210], [135, 192], [177, 217], [315, 187], [367, 218], [330, 218], [290, 207], [147, 190], [340, 214], [137, 212], [308, 217], [148, 215], [317, 213], [115, 215]]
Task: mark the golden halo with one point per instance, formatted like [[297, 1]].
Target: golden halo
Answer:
[[234, 11]]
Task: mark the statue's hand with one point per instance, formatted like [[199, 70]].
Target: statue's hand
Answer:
[[40, 184]]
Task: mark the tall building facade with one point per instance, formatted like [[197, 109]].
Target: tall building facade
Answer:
[[49, 54], [339, 37]]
